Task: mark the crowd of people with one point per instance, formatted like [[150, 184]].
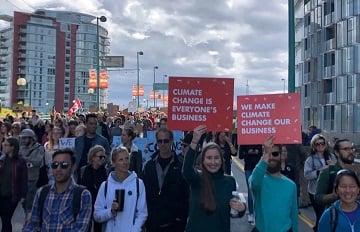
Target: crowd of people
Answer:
[[103, 186]]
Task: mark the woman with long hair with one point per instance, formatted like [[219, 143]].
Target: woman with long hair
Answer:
[[129, 211], [13, 181], [5, 130], [52, 145], [211, 190], [127, 137], [227, 148], [319, 158], [92, 175], [344, 214]]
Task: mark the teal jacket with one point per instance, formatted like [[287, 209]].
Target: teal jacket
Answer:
[[199, 219], [275, 201]]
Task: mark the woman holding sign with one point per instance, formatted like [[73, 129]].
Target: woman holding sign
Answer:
[[227, 148], [212, 191]]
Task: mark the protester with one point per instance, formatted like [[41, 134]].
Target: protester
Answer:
[[92, 175], [116, 130], [13, 181], [88, 140], [286, 169], [80, 130], [127, 137], [33, 153], [102, 128], [52, 145], [128, 212], [55, 210], [167, 194], [251, 155], [344, 151], [274, 194], [211, 190], [344, 214], [227, 148], [319, 159]]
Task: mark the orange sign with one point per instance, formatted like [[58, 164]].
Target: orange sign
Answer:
[[259, 116], [92, 83], [135, 91], [154, 94], [194, 101], [104, 84]]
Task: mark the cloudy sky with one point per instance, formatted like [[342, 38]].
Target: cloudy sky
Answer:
[[243, 39]]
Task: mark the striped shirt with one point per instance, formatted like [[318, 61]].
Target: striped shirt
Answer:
[[57, 212]]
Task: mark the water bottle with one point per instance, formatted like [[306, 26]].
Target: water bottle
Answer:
[[233, 212]]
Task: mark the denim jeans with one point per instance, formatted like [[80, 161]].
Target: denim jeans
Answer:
[[250, 197]]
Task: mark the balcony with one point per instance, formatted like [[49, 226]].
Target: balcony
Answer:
[[329, 71], [330, 98], [21, 64], [329, 19], [22, 47], [4, 83], [330, 44]]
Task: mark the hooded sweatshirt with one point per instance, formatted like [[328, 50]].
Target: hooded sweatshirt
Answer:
[[129, 219]]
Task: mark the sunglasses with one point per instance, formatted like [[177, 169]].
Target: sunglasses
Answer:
[[63, 165], [320, 144], [163, 141], [101, 157], [275, 153]]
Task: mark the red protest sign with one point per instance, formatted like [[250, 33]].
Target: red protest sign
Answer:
[[259, 116], [194, 101]]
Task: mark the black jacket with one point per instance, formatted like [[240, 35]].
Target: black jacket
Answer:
[[172, 201]]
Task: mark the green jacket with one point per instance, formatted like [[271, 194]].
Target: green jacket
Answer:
[[325, 183], [199, 219]]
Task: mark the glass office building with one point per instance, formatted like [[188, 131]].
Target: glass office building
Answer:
[[327, 71]]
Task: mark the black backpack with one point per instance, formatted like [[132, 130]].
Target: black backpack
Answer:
[[78, 189]]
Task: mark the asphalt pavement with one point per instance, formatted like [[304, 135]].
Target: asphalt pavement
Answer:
[[306, 215]]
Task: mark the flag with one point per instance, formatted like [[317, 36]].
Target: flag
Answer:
[[53, 111], [77, 105]]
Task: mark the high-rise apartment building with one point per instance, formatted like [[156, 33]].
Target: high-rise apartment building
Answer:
[[327, 71], [53, 51]]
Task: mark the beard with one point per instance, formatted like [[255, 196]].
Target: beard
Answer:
[[347, 160], [274, 168]]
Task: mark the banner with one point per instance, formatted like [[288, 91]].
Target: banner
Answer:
[[77, 105], [259, 116], [194, 101]]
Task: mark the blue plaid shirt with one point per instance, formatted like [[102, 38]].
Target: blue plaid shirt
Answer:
[[57, 212]]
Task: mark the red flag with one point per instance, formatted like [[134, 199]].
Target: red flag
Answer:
[[77, 105]]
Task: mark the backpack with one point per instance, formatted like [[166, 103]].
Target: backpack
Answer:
[[333, 218], [78, 189]]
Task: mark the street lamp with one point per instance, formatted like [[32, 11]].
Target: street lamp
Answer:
[[140, 53], [155, 67], [22, 82], [283, 79], [102, 19]]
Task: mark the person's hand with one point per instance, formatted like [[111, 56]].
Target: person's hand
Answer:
[[329, 162], [237, 205], [268, 145], [198, 132], [114, 207], [228, 140]]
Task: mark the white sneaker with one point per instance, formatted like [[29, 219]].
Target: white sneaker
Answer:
[[251, 219]]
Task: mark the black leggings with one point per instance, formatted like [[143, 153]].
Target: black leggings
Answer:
[[318, 209], [7, 210]]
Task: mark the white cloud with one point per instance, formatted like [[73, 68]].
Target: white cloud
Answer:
[[243, 39]]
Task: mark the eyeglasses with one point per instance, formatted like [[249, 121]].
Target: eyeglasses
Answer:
[[347, 149], [163, 141], [101, 157], [63, 165], [275, 153], [320, 144]]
